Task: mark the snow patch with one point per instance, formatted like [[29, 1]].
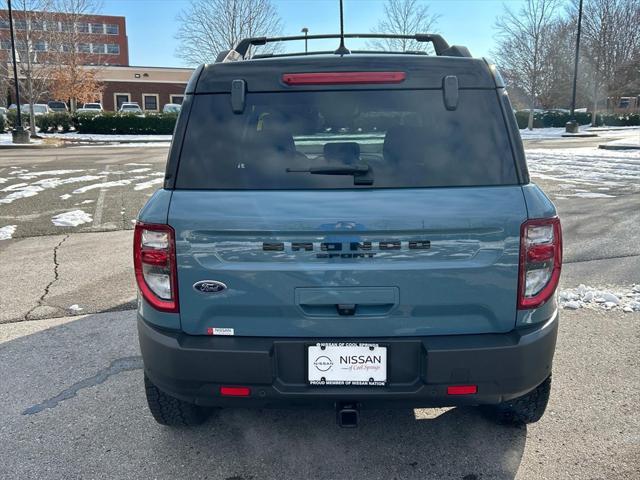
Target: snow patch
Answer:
[[32, 175], [25, 192], [115, 183], [591, 195], [76, 308], [71, 219], [587, 167], [65, 196], [139, 170], [149, 184], [7, 232], [626, 299]]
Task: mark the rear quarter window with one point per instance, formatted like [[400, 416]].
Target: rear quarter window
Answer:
[[406, 137]]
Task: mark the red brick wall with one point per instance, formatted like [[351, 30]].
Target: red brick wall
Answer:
[[136, 89]]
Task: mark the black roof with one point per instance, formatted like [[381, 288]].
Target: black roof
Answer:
[[265, 74]]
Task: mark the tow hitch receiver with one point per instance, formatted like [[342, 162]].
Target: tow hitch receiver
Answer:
[[347, 414]]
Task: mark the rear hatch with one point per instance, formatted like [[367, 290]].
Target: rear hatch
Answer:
[[348, 213]]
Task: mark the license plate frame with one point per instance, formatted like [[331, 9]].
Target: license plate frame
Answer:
[[364, 364]]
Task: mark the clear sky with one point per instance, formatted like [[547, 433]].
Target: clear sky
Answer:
[[151, 24]]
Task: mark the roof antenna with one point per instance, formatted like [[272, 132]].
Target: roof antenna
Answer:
[[342, 50]]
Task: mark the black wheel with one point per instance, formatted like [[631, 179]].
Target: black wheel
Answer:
[[523, 410], [171, 411]]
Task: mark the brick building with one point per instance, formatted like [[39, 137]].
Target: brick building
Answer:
[[101, 39], [101, 44], [150, 87]]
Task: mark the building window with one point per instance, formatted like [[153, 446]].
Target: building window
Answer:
[[20, 24], [4, 24], [82, 27], [66, 48], [150, 101], [84, 48], [112, 29], [5, 44], [66, 27], [37, 25], [40, 46], [113, 49], [120, 98], [97, 28], [98, 47], [177, 99]]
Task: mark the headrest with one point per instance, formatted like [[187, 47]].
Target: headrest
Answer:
[[343, 152]]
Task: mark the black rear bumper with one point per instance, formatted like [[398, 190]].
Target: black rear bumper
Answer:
[[503, 366]]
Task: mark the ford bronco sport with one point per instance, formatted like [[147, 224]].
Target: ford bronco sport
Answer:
[[347, 229]]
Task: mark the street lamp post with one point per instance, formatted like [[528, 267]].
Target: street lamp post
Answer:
[[305, 30], [19, 134], [572, 125]]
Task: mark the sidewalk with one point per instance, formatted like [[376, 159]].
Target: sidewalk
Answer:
[[60, 275]]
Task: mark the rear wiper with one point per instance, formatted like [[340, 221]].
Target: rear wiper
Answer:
[[362, 174]]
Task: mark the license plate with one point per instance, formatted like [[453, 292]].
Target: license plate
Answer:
[[347, 364]]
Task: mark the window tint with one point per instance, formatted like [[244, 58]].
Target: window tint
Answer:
[[405, 138]]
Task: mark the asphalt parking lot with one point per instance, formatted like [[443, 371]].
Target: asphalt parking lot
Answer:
[[72, 403]]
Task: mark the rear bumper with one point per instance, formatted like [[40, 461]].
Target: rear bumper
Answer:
[[503, 366]]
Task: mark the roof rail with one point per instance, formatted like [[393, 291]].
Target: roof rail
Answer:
[[440, 45]]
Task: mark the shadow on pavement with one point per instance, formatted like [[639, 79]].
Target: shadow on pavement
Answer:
[[73, 399]]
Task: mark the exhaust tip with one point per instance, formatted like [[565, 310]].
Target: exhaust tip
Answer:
[[348, 415]]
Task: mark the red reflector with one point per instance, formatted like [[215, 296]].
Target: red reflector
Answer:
[[342, 78], [235, 391], [540, 253], [154, 257], [462, 389]]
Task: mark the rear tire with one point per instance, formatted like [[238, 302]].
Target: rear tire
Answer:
[[171, 411], [526, 409]]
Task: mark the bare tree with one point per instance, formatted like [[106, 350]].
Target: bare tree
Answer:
[[611, 32], [208, 27], [523, 39], [404, 17]]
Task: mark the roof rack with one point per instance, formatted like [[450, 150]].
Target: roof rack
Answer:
[[440, 45]]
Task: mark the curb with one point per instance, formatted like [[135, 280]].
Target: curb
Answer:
[[619, 147], [10, 146], [108, 142]]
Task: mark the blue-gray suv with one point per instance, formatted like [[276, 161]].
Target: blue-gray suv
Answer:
[[350, 230]]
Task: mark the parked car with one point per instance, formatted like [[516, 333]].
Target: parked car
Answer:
[[38, 108], [90, 109], [172, 108], [356, 230], [131, 107], [58, 106]]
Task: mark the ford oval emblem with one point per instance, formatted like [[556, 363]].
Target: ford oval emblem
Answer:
[[209, 286]]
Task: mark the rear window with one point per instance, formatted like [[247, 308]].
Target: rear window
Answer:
[[403, 138]]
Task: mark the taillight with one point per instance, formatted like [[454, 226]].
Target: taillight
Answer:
[[540, 261], [154, 260], [342, 78]]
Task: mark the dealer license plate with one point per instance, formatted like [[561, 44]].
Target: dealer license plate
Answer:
[[347, 364]]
